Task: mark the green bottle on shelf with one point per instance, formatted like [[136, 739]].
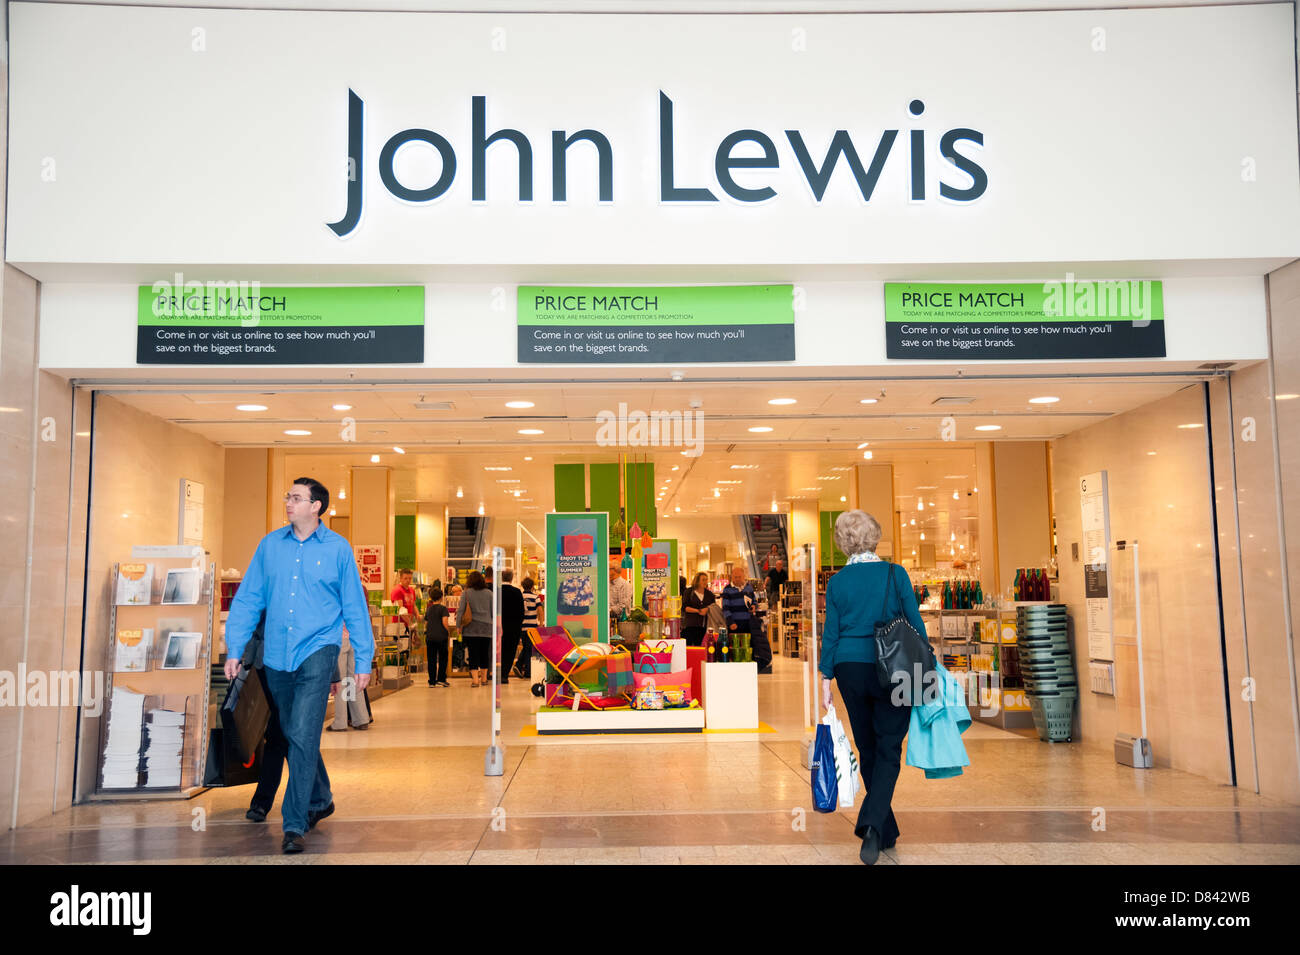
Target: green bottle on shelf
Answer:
[[979, 594], [1020, 584]]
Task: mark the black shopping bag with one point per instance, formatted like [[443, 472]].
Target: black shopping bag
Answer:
[[224, 767], [245, 714]]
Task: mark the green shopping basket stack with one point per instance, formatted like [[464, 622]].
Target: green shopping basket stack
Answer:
[[1048, 673]]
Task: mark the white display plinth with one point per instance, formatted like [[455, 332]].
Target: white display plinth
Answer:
[[731, 696], [555, 723]]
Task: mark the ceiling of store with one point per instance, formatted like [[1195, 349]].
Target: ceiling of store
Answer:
[[451, 433]]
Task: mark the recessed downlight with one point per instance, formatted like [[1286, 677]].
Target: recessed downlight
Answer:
[[341, 407], [868, 401], [1044, 400], [988, 427], [781, 401], [866, 455], [760, 429], [374, 459], [250, 407], [531, 431], [1189, 427], [519, 404], [1284, 397], [298, 432], [399, 450]]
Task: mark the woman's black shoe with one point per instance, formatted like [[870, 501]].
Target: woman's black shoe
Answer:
[[255, 814], [870, 847], [293, 843]]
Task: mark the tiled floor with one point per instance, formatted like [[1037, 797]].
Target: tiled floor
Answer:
[[412, 790]]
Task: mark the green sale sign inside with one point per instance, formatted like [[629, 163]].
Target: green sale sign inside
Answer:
[[1010, 321]]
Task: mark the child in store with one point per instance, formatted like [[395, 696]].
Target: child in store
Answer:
[[437, 638]]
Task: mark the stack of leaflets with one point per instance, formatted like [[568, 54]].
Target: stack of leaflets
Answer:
[[134, 584], [122, 749], [165, 739]]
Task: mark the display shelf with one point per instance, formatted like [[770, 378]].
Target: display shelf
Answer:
[[150, 689]]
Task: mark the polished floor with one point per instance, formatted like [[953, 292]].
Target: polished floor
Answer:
[[411, 789]]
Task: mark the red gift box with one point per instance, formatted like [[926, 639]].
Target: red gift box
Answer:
[[656, 561]]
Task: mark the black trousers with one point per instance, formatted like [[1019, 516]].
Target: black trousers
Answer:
[[437, 650], [509, 649], [878, 731], [762, 649], [694, 636]]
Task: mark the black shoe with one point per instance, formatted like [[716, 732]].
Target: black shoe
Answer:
[[293, 843], [443, 683], [315, 816], [870, 847], [766, 669], [255, 814]]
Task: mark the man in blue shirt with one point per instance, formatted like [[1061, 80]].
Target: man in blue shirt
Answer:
[[305, 578]]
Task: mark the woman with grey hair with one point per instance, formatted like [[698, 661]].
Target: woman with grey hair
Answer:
[[865, 592]]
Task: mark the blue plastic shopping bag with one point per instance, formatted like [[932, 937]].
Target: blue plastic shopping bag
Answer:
[[824, 788]]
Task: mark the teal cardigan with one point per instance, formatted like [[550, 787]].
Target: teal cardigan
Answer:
[[854, 598]]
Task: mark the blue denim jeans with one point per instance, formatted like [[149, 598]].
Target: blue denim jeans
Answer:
[[301, 696]]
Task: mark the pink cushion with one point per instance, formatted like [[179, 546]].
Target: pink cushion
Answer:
[[553, 649]]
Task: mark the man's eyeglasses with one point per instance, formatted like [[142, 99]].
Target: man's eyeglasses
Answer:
[[296, 498]]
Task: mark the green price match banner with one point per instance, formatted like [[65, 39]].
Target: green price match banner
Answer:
[[654, 571], [1019, 321], [608, 325], [577, 574], [243, 323]]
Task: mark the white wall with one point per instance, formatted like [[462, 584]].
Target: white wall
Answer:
[[248, 164]]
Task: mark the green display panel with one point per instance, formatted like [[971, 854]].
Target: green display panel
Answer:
[[828, 553], [570, 487], [639, 492], [404, 542], [654, 570], [604, 490], [577, 573]]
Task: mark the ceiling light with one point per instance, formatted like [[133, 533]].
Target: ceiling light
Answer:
[[399, 450], [975, 490], [531, 431], [866, 455], [250, 407], [956, 496], [920, 505], [953, 537], [863, 445], [717, 493], [676, 468], [497, 468], [332, 512], [297, 432], [914, 522], [1284, 397], [519, 404], [843, 499], [341, 407], [378, 432], [1186, 427], [954, 477], [374, 459], [1044, 400], [868, 401], [480, 510], [829, 477], [841, 469], [922, 535], [460, 492], [1151, 454], [507, 480], [781, 401], [988, 427], [527, 459], [342, 495], [760, 429], [773, 506], [731, 482], [678, 509], [927, 487], [741, 467]]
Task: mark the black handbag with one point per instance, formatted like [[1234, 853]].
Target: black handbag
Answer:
[[903, 656]]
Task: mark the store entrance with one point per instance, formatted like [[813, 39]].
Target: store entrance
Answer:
[[975, 485]]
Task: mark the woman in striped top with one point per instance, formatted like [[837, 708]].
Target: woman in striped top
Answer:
[[532, 618]]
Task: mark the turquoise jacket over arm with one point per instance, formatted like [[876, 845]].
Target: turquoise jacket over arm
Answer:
[[934, 733]]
